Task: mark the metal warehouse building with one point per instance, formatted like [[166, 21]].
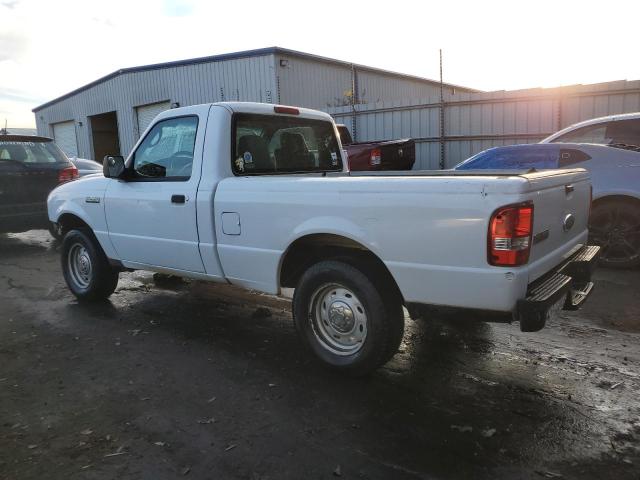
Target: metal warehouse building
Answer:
[[108, 115]]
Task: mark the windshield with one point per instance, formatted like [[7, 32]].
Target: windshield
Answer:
[[510, 158], [31, 152]]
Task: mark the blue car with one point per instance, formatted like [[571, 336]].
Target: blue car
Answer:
[[615, 175]]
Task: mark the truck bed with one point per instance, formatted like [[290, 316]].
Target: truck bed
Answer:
[[466, 173]]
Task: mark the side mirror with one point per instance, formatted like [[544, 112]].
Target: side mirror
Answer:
[[113, 166]]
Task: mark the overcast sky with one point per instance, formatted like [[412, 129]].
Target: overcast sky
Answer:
[[49, 47]]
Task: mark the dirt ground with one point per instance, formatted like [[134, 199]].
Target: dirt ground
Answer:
[[193, 380]]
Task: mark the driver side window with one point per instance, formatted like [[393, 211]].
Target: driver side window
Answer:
[[166, 153]]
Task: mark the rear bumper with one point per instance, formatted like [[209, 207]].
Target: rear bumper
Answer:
[[564, 288]]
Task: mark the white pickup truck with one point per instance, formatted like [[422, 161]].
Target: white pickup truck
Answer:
[[259, 196]]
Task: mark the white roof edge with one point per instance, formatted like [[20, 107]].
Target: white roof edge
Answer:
[[253, 107], [593, 121]]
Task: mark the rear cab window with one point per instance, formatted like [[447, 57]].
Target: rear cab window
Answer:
[[273, 144], [31, 152]]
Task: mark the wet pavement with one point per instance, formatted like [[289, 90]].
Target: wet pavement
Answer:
[[194, 380]]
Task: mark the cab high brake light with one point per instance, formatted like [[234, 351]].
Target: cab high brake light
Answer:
[[287, 110], [509, 238]]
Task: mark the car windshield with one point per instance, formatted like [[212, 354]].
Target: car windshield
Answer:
[[30, 152], [511, 158]]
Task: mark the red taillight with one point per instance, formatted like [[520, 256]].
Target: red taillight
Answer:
[[287, 110], [510, 235], [67, 174], [376, 157]]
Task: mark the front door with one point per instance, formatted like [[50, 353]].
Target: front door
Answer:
[[151, 215]]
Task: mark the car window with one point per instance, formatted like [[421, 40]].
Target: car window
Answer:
[[167, 150], [624, 132], [270, 144], [345, 135], [510, 159], [31, 152], [569, 156], [589, 134]]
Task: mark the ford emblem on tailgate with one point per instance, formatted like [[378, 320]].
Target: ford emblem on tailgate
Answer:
[[568, 222]]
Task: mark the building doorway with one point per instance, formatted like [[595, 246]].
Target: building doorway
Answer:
[[104, 133]]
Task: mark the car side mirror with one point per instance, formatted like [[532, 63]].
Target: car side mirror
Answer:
[[113, 166]]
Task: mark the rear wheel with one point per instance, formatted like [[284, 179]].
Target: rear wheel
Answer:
[[348, 322], [615, 226], [85, 267]]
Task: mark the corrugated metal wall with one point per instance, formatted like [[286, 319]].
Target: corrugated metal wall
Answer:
[[315, 84], [247, 79], [477, 121]]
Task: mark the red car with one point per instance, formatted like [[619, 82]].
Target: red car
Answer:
[[382, 155]]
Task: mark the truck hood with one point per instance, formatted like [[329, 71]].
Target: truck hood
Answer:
[[94, 184]]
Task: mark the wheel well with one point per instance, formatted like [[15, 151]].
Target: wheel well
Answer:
[[311, 249], [618, 198], [69, 221]]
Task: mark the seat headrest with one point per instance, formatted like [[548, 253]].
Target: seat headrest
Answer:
[[16, 152], [294, 141]]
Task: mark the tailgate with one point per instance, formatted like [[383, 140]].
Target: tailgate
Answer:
[[561, 210], [398, 154]]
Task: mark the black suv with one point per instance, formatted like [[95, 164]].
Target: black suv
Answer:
[[30, 167]]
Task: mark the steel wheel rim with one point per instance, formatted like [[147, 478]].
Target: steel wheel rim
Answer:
[[79, 265], [339, 319], [617, 232]]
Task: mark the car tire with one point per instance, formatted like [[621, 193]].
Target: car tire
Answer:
[[86, 268], [351, 323], [614, 225], [55, 229]]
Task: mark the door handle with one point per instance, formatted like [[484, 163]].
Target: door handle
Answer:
[[178, 199], [568, 189]]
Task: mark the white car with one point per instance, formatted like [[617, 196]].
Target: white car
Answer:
[[259, 196], [86, 166], [615, 172], [615, 218]]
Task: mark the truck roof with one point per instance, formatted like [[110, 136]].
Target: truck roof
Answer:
[[261, 109]]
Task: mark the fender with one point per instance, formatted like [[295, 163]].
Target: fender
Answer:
[[334, 226], [84, 199], [328, 225]]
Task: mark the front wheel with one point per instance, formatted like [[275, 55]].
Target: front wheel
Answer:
[[349, 322], [85, 267]]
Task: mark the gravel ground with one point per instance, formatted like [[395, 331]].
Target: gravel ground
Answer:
[[192, 380]]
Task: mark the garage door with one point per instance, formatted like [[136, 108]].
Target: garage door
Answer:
[[64, 134], [146, 114]]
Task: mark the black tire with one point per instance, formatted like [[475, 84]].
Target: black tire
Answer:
[[55, 229], [381, 310], [95, 282], [615, 226]]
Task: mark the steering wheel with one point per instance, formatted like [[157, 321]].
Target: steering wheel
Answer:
[[185, 170], [182, 155]]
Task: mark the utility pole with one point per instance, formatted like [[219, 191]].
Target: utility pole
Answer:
[[354, 101], [442, 140]]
